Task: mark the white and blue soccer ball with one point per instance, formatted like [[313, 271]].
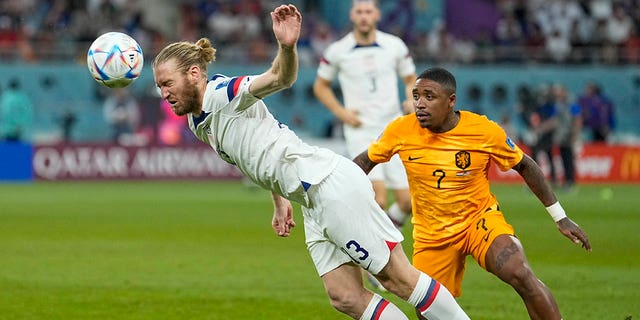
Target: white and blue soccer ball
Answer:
[[115, 59]]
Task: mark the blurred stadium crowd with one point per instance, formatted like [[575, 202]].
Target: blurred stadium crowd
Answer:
[[471, 31], [495, 44]]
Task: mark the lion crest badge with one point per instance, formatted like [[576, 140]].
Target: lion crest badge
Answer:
[[463, 159]]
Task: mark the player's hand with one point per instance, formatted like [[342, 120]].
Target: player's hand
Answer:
[[287, 22], [283, 219], [350, 117], [572, 231]]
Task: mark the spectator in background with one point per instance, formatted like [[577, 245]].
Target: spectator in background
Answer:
[[631, 50], [509, 37], [535, 43], [558, 46], [567, 133], [597, 112], [464, 50], [16, 113], [600, 9], [525, 106], [619, 26], [617, 30], [231, 23], [579, 38], [225, 24], [558, 16], [440, 43], [122, 113], [544, 123]]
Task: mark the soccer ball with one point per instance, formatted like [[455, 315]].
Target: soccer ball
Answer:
[[115, 59]]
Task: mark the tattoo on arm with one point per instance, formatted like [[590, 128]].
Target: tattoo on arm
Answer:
[[536, 181], [363, 161]]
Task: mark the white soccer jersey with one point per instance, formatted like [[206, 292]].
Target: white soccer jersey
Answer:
[[239, 127], [368, 77]]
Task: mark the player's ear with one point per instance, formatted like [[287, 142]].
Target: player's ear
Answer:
[[194, 72], [452, 100]]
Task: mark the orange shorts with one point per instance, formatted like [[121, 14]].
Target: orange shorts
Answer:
[[445, 261]]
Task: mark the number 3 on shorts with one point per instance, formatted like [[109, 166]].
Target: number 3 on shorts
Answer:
[[356, 252]]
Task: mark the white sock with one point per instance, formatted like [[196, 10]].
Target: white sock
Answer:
[[397, 216], [381, 309], [434, 301]]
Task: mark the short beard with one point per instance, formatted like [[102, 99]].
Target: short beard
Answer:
[[191, 100]]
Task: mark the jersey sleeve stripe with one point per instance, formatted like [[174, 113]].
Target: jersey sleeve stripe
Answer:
[[232, 89], [216, 76]]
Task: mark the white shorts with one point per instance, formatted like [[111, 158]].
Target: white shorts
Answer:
[[392, 173], [345, 224]]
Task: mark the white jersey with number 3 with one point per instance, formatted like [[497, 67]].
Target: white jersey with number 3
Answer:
[[240, 128], [368, 77]]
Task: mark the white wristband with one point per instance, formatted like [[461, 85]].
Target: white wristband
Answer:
[[556, 211]]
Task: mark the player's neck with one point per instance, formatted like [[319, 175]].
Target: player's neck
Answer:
[[365, 38], [202, 87], [451, 122]]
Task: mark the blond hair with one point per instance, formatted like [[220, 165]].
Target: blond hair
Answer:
[[188, 54]]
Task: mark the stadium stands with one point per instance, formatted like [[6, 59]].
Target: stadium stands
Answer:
[[502, 46]]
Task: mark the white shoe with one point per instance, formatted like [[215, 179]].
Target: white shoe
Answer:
[[375, 283]]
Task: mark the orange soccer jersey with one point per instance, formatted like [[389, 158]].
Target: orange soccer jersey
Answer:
[[447, 172]]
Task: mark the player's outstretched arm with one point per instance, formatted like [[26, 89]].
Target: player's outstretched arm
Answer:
[[282, 216], [287, 22], [533, 176]]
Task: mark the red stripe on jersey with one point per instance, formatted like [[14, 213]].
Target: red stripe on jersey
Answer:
[[236, 85], [323, 60], [391, 245]]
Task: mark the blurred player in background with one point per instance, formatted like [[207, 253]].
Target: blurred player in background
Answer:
[[544, 123], [567, 136], [367, 63], [447, 154], [345, 228]]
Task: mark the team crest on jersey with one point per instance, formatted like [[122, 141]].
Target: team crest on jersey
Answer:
[[463, 159]]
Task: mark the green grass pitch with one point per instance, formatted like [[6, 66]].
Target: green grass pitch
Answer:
[[205, 250]]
